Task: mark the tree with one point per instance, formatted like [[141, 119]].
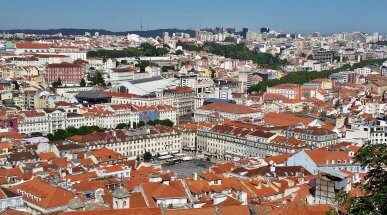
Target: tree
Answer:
[[82, 83], [140, 124], [17, 86], [166, 68], [61, 134], [213, 73], [57, 83], [121, 126], [179, 52], [230, 40], [374, 201], [147, 156], [145, 49], [166, 122], [36, 134], [97, 79], [302, 77], [143, 64]]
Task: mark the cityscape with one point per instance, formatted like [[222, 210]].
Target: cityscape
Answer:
[[174, 110]]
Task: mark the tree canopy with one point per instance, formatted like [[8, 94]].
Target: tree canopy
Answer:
[[237, 51], [97, 79], [147, 156], [145, 49], [61, 134], [57, 83], [304, 76], [82, 83], [230, 40], [374, 200]]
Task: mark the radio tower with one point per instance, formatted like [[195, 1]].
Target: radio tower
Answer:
[[141, 25]]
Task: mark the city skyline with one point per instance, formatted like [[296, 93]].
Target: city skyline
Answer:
[[118, 15]]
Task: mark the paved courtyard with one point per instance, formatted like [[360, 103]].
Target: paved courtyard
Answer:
[[187, 168]]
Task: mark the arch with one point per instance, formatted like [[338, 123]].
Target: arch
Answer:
[[122, 89]]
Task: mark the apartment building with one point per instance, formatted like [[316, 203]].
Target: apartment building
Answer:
[[183, 100], [30, 48], [324, 56], [228, 142], [290, 91], [68, 73], [118, 75], [49, 120], [315, 136], [133, 143]]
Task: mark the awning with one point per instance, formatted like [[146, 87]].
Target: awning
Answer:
[[165, 157], [163, 153], [174, 152]]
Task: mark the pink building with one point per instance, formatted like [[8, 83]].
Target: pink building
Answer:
[[68, 73]]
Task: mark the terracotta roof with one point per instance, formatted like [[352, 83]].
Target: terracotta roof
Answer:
[[209, 176], [47, 156], [325, 158], [64, 65], [278, 159], [48, 196], [291, 209], [162, 191], [131, 211], [228, 108], [282, 119], [29, 45]]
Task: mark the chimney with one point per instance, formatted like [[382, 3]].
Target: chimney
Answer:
[[272, 168], [195, 176]]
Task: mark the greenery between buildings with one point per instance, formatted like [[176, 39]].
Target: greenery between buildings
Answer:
[[237, 51], [61, 134], [147, 156], [165, 122], [373, 199], [57, 83], [304, 76], [145, 49]]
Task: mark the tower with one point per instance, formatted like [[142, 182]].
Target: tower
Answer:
[[121, 198]]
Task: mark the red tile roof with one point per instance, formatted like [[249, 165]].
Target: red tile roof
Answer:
[[29, 45], [48, 195], [228, 108]]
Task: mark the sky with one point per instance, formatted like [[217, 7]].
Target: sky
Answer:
[[291, 16]]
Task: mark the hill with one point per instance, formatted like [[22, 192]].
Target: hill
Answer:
[[76, 31]]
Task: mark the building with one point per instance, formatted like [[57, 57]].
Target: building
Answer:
[[315, 136], [233, 141], [328, 186], [32, 48], [135, 143], [290, 91], [323, 56], [68, 73], [320, 159], [183, 101], [220, 111], [119, 75], [42, 197], [9, 199]]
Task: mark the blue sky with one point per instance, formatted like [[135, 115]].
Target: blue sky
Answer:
[[303, 16]]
